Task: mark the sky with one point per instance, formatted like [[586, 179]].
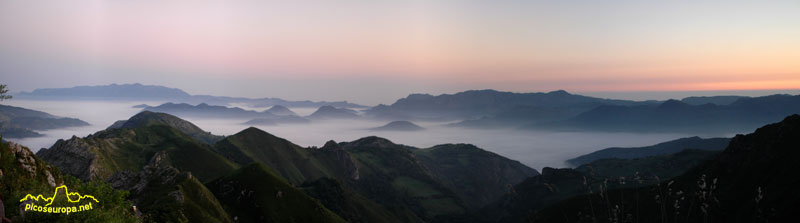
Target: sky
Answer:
[[373, 52]]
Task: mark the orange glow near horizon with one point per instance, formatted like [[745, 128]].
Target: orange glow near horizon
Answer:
[[614, 46]]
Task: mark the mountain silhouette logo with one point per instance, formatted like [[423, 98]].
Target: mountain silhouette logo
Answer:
[[70, 195]]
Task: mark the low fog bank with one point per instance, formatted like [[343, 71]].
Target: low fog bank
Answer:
[[99, 115], [536, 149]]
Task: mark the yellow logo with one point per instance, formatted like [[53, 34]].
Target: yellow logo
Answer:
[[31, 206]]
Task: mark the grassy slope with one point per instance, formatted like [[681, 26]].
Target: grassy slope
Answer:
[[255, 193], [16, 182], [199, 204], [130, 149], [348, 204], [391, 176], [478, 176], [292, 162]]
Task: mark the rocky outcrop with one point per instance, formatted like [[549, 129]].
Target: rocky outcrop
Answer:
[[73, 156], [30, 165], [157, 172], [167, 194], [343, 159]]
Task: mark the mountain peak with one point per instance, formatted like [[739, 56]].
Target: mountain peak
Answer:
[[399, 126], [327, 111], [559, 92], [148, 118], [280, 110], [252, 131], [673, 104], [373, 141], [331, 145]]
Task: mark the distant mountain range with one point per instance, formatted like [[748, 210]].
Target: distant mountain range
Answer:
[[562, 111], [399, 126], [330, 112], [175, 172], [178, 172], [752, 180], [16, 122], [263, 118], [551, 111], [674, 146], [139, 92], [686, 186], [208, 111], [483, 103], [743, 115]]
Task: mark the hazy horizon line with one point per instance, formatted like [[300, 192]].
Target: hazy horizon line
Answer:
[[656, 95]]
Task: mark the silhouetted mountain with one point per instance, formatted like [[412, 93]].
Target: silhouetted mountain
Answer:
[[254, 193], [107, 92], [555, 185], [411, 184], [138, 92], [478, 103], [222, 112], [664, 166], [521, 115], [292, 162], [350, 205], [488, 177], [330, 112], [281, 110], [16, 122], [750, 181], [208, 111], [147, 118], [670, 147], [743, 115], [717, 100], [278, 120], [398, 126]]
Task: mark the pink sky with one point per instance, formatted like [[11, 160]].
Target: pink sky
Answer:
[[424, 46]]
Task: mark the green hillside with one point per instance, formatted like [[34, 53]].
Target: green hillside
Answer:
[[294, 163], [147, 118], [255, 193], [100, 155], [22, 173], [391, 176], [479, 177]]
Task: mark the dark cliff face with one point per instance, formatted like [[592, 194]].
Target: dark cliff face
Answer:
[[752, 180], [74, 157], [757, 166], [168, 194], [477, 176]]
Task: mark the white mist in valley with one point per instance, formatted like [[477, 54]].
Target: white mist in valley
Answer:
[[99, 115], [536, 149]]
